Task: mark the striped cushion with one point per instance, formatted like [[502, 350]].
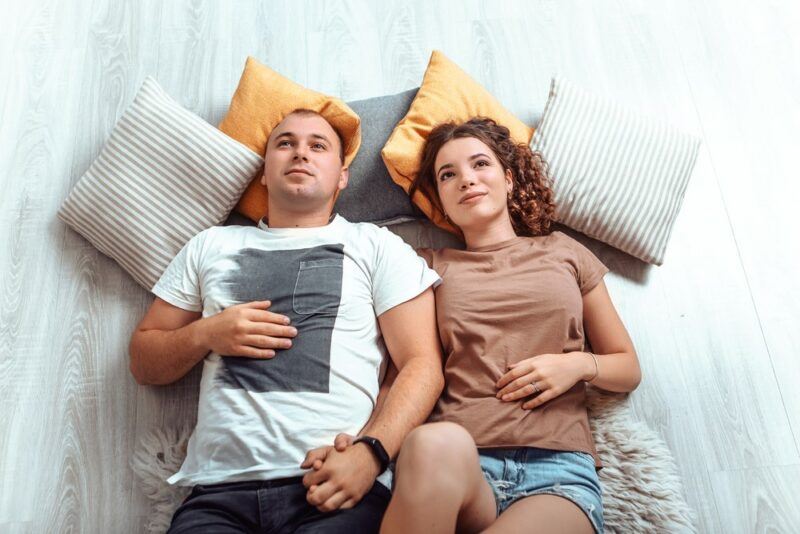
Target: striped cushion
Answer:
[[163, 176], [617, 176]]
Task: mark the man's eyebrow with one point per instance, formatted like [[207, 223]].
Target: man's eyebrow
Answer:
[[313, 135], [450, 165], [320, 136]]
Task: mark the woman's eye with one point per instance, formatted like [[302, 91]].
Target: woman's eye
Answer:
[[482, 163], [445, 175]]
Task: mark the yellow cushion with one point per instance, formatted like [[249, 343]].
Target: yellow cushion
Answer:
[[447, 94], [260, 103]]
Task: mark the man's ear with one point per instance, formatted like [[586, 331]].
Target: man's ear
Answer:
[[344, 178]]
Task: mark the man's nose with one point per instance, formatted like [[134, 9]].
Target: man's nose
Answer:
[[300, 153]]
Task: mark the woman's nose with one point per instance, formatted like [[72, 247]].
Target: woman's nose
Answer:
[[466, 181]]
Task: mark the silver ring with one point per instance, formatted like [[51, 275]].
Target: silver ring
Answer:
[[536, 388]]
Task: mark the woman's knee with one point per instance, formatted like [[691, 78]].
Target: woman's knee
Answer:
[[439, 445]]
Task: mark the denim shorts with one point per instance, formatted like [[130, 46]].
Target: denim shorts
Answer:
[[524, 471]]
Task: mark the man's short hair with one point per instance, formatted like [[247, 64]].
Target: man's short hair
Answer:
[[306, 112]]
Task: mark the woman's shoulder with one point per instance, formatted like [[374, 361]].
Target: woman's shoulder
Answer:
[[558, 240]]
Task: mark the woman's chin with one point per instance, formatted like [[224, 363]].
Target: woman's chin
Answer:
[[477, 217]]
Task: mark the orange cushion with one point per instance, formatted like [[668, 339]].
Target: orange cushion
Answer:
[[260, 103], [447, 94]]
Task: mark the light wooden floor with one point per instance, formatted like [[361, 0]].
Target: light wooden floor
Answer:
[[716, 327]]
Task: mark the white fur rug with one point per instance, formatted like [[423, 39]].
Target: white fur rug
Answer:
[[641, 488]]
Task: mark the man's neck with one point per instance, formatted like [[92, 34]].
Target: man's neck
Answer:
[[279, 218]]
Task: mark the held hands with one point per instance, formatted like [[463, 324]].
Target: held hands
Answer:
[[546, 376], [248, 330], [340, 475]]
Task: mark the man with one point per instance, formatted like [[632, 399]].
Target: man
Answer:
[[285, 376]]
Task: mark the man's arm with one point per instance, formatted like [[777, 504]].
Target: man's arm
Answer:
[[386, 386], [169, 341], [410, 333], [412, 339]]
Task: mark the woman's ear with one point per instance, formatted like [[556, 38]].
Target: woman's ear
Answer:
[[509, 181]]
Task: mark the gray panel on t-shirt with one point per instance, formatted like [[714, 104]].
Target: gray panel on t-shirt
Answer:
[[306, 286]]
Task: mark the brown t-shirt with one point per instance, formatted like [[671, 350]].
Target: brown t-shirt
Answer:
[[502, 304]]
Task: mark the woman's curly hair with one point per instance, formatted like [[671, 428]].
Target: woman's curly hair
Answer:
[[530, 203]]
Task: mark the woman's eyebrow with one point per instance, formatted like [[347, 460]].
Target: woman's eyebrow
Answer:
[[449, 165]]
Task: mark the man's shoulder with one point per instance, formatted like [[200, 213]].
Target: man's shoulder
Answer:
[[216, 232], [218, 236]]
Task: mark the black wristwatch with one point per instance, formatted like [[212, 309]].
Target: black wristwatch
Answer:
[[377, 449]]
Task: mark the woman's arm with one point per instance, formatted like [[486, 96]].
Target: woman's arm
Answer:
[[617, 363]]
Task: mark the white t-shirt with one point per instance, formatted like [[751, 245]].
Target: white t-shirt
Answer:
[[257, 419]]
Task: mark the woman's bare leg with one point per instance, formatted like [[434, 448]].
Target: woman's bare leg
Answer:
[[438, 485], [542, 513]]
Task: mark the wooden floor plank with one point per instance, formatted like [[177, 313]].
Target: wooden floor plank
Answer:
[[749, 107], [755, 501]]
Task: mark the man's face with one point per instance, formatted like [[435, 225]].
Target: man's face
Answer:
[[302, 167]]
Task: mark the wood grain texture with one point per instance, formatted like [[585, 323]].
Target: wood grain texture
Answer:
[[755, 500], [715, 326]]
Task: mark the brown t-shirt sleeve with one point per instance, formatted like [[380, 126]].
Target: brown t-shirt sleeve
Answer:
[[589, 270]]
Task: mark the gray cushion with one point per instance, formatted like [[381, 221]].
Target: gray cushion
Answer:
[[371, 195]]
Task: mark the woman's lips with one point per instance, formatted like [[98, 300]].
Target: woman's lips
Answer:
[[472, 198]]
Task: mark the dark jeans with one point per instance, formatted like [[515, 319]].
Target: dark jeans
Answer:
[[273, 506]]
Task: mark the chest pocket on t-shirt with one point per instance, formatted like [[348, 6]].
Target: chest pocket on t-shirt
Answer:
[[318, 288]]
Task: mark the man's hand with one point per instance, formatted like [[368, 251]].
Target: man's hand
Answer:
[[341, 475], [247, 330], [316, 457]]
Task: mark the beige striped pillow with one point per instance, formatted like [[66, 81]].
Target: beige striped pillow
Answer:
[[163, 176], [618, 177]]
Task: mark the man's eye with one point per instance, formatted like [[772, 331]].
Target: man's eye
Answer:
[[318, 146], [283, 143]]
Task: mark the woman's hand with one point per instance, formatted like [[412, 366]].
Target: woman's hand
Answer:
[[547, 376]]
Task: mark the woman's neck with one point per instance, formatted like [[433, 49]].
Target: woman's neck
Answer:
[[494, 232]]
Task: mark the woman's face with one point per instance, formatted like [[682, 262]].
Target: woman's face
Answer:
[[472, 184]]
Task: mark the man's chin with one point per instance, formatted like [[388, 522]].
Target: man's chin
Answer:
[[292, 195]]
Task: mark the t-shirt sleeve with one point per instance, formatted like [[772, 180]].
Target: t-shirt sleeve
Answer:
[[180, 283], [589, 270], [399, 274]]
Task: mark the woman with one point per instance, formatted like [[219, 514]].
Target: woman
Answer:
[[509, 446]]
